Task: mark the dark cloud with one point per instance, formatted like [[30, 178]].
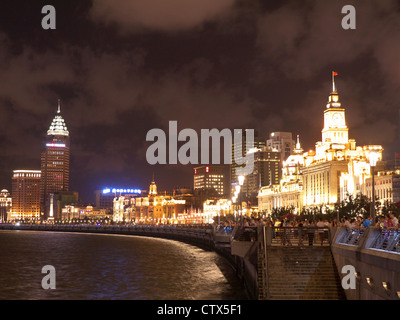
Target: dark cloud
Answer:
[[172, 15]]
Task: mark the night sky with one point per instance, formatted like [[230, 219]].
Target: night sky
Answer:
[[122, 68]]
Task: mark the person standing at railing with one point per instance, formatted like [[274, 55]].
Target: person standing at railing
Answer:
[[389, 221], [395, 221], [381, 223], [367, 222], [335, 223], [280, 230], [353, 223], [359, 222], [345, 223]]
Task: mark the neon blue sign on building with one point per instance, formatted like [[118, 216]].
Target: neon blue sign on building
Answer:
[[118, 190]]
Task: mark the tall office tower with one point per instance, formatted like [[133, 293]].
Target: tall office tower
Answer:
[[25, 194], [282, 142], [240, 150], [267, 172], [54, 163], [210, 177]]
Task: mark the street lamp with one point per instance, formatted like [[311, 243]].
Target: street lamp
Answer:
[[233, 206], [373, 158], [241, 181]]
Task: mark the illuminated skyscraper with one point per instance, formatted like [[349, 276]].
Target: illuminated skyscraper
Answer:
[[54, 163], [210, 177], [240, 150], [267, 172], [25, 194]]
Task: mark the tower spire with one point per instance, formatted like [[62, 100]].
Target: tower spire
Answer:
[[333, 100], [59, 106], [153, 187], [298, 148]]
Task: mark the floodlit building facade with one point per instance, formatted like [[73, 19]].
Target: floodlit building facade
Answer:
[[153, 208], [337, 167], [5, 205], [210, 177], [387, 187], [25, 194]]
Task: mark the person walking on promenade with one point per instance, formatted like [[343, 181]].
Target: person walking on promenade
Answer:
[[310, 233], [283, 232], [289, 232], [320, 226], [300, 233]]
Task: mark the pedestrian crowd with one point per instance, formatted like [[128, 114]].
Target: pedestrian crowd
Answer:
[[383, 222]]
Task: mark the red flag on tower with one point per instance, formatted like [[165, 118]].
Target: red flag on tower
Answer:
[[335, 73]]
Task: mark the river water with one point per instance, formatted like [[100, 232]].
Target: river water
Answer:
[[111, 267]]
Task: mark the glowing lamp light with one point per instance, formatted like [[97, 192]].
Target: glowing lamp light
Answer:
[[386, 286], [373, 158], [241, 180], [370, 282]]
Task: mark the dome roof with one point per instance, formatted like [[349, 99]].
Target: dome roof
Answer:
[[294, 160]]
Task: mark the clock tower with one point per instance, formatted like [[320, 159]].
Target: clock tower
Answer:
[[335, 129]]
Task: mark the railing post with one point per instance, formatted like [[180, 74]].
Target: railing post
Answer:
[[265, 260], [268, 233]]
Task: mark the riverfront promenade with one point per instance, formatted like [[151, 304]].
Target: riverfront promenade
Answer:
[[284, 263]]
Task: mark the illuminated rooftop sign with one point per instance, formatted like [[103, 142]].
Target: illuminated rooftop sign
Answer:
[[59, 145], [119, 190]]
